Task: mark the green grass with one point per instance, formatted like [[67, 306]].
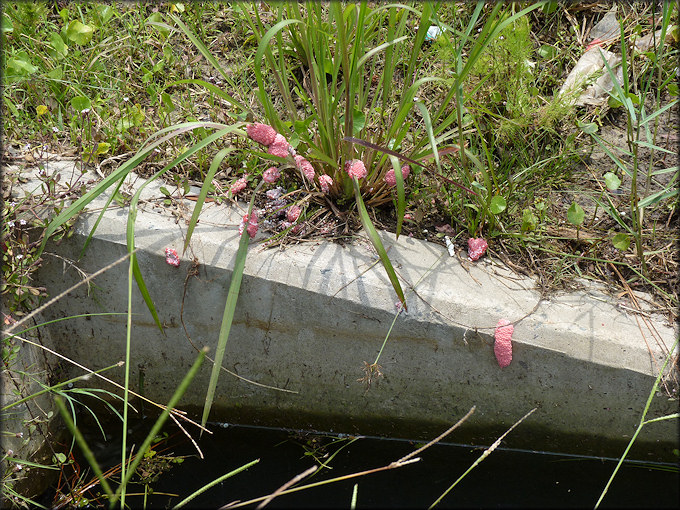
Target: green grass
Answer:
[[525, 140]]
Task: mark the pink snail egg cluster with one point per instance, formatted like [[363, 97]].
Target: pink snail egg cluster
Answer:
[[476, 248], [502, 347], [171, 257], [391, 178], [252, 225]]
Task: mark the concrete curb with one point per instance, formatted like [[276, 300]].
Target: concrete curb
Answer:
[[309, 317]]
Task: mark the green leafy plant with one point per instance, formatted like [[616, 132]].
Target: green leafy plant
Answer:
[[575, 214], [65, 77], [337, 102], [335, 112], [640, 134], [497, 110], [345, 81]]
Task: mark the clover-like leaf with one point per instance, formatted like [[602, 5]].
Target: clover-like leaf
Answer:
[[612, 181], [497, 205], [80, 103], [575, 214], [79, 33], [621, 241]]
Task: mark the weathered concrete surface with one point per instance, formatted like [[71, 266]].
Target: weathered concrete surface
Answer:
[[26, 422], [309, 317]]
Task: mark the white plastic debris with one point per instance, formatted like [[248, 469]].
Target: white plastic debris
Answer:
[[647, 42], [589, 63], [606, 31], [432, 33], [449, 246]]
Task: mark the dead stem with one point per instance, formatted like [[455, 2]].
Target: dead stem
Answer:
[[650, 326], [67, 291], [404, 461], [290, 482]]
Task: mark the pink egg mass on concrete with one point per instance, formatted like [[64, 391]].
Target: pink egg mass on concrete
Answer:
[[503, 346]]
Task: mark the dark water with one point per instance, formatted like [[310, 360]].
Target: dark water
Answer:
[[506, 478]]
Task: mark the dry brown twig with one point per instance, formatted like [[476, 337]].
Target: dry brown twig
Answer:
[[404, 461], [637, 312]]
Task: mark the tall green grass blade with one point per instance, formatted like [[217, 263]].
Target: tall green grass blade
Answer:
[[141, 284], [428, 129], [354, 85], [214, 166], [390, 61], [342, 37], [378, 49], [227, 316], [653, 147], [215, 482], [314, 153], [658, 197], [377, 243], [28, 463], [613, 211], [620, 95], [406, 104], [624, 64], [263, 50], [90, 236], [158, 425], [397, 5], [617, 161], [423, 27], [658, 112], [87, 453], [667, 170], [642, 421], [126, 384], [227, 319]]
